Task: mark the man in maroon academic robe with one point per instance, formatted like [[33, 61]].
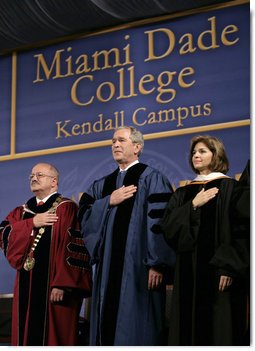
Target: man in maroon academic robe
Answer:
[[43, 243]]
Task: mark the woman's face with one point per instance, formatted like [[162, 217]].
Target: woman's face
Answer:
[[202, 158]]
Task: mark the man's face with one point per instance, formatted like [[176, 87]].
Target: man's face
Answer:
[[42, 180], [124, 151]]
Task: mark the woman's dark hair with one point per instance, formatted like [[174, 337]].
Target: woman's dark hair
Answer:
[[219, 159]]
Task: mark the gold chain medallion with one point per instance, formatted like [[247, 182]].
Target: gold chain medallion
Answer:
[[30, 261]]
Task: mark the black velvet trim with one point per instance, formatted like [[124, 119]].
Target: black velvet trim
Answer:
[[4, 224], [74, 233], [6, 234], [86, 199], [159, 197], [85, 202], [32, 204], [110, 183], [124, 210], [38, 298], [156, 213], [75, 262], [24, 281], [156, 229], [120, 231], [72, 247]]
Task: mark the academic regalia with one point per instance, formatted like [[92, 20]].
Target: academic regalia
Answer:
[[61, 261], [124, 241], [206, 249], [241, 229], [241, 202]]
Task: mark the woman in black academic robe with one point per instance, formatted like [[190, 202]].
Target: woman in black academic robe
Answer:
[[208, 303]]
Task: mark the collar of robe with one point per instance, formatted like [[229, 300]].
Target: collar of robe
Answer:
[[211, 176]]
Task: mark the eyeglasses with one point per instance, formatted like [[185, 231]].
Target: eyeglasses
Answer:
[[39, 175]]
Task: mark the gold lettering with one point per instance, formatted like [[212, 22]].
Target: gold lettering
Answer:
[[207, 109], [186, 72], [111, 91], [151, 39], [211, 34], [74, 96], [122, 80], [104, 55], [84, 126], [164, 115], [126, 50], [56, 64], [152, 118], [169, 78], [61, 129], [76, 129], [188, 46], [181, 116], [98, 126], [134, 116], [147, 78], [109, 124], [69, 64], [229, 30], [83, 66]]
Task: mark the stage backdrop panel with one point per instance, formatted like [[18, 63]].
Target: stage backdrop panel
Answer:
[[171, 77]]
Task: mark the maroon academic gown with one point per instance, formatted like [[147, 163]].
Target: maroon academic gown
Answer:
[[61, 261]]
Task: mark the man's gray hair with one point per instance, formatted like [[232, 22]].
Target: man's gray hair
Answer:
[[135, 136], [54, 170], [51, 167]]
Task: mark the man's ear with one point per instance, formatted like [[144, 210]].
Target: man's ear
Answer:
[[138, 148], [55, 181]]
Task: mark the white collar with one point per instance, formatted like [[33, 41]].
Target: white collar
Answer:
[[211, 176], [129, 166], [46, 198]]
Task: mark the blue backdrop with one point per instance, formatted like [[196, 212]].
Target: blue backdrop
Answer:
[[172, 79]]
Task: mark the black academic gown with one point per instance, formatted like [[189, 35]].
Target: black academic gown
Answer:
[[241, 229], [203, 241]]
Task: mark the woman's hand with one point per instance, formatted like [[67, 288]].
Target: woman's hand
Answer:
[[204, 196], [225, 282]]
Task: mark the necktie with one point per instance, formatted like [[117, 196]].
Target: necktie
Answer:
[[120, 178], [40, 203]]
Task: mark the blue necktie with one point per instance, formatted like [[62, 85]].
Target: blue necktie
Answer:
[[120, 178]]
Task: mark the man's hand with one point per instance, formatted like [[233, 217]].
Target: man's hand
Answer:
[[57, 295], [43, 219], [155, 279], [122, 194]]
